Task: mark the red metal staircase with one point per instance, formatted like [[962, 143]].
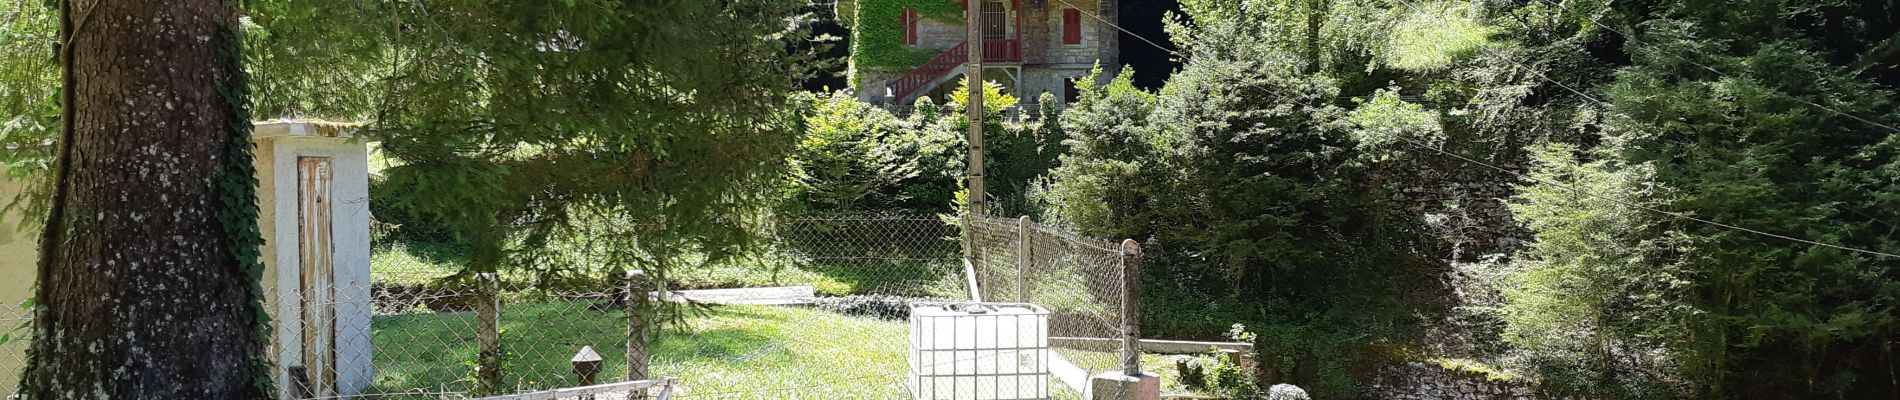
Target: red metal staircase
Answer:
[[942, 63], [994, 50]]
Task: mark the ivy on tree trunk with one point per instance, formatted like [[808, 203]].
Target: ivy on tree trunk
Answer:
[[149, 261]]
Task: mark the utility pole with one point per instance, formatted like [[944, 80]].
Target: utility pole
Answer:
[[974, 42]]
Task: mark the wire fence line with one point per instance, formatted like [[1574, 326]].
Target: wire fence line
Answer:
[[833, 325]]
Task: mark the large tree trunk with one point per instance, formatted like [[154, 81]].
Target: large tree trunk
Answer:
[[146, 282]]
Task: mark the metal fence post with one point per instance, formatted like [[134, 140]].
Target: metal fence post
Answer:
[[637, 307], [1131, 308], [1023, 259]]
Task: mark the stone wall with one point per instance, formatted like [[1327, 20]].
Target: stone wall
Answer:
[[936, 36], [1054, 51], [1429, 381], [1036, 81], [1470, 205], [1036, 28]]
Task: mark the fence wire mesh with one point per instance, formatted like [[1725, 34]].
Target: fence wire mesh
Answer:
[[13, 319], [1079, 279], [821, 312]]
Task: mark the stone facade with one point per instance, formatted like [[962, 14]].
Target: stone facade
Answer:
[[1047, 63], [1036, 81], [1055, 52], [935, 36]]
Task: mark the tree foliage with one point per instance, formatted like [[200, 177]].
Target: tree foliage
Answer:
[[1260, 204], [514, 124], [856, 157], [29, 104], [1770, 131]]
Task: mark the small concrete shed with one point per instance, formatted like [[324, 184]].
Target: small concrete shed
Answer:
[[313, 191], [313, 196]]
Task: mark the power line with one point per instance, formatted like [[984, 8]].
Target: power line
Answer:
[[1632, 38], [1522, 175], [1462, 157], [1098, 17]]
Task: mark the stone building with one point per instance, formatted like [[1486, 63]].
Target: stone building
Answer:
[[1030, 47]]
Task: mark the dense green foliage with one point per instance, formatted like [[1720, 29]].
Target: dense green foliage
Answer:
[[1575, 307], [855, 157], [877, 30], [29, 103], [1718, 120], [559, 136], [1316, 170], [1269, 172], [1257, 199], [1104, 183]]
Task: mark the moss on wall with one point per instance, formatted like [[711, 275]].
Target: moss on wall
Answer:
[[877, 31]]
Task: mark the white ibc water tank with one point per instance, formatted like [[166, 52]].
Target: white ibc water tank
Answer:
[[979, 351]]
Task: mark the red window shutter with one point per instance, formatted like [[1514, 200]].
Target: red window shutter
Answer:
[[1071, 26], [909, 19]]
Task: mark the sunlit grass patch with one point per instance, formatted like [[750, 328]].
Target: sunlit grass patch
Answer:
[[754, 351]]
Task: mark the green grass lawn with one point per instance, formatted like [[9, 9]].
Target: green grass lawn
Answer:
[[1101, 361], [805, 353], [736, 352]]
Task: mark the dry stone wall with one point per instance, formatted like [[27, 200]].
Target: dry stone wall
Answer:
[[1428, 381]]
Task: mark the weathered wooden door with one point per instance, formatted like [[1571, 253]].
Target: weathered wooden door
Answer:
[[315, 252]]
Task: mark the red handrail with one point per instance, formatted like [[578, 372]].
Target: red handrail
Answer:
[[1002, 50], [942, 63], [994, 50]]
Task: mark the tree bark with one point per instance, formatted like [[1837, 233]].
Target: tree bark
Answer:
[[147, 281], [1315, 19]]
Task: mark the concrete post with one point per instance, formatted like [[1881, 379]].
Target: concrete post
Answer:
[[973, 41], [1131, 308], [639, 311], [1024, 260], [1129, 383], [636, 304], [488, 332]]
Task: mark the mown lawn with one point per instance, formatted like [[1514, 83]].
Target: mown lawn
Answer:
[[729, 352], [736, 352]]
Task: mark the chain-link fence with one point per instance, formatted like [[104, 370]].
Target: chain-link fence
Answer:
[[819, 313], [1082, 281], [14, 339]]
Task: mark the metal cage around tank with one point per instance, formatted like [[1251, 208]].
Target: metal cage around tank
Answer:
[[980, 351]]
